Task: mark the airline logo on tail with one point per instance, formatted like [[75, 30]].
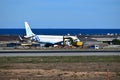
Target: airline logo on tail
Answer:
[[29, 32]]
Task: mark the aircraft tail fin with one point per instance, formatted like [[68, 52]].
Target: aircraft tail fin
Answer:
[[29, 32]]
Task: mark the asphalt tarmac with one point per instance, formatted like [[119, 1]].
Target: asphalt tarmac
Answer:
[[57, 53]]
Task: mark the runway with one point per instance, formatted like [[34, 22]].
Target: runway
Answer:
[[57, 53]]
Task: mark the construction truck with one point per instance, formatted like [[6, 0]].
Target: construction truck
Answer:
[[68, 40]]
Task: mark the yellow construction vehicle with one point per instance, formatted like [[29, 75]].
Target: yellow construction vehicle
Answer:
[[72, 41], [78, 44]]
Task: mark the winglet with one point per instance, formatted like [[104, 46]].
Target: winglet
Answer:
[[20, 38]]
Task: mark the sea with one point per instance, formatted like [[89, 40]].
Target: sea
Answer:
[[61, 31]]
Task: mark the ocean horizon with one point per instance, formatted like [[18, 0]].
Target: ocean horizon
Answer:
[[61, 31]]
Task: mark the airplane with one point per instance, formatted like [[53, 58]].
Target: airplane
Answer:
[[47, 39]]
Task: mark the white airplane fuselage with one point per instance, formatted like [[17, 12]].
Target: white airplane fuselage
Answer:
[[51, 39], [48, 38]]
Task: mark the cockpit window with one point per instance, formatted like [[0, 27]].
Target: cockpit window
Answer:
[[75, 40]]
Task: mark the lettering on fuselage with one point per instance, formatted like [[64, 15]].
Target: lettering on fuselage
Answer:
[[36, 38]]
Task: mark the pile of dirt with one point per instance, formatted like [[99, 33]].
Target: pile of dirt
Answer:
[[53, 73], [9, 38], [60, 71]]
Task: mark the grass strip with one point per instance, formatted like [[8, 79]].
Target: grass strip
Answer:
[[56, 59]]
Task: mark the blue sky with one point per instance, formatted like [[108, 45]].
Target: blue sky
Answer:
[[82, 14]]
